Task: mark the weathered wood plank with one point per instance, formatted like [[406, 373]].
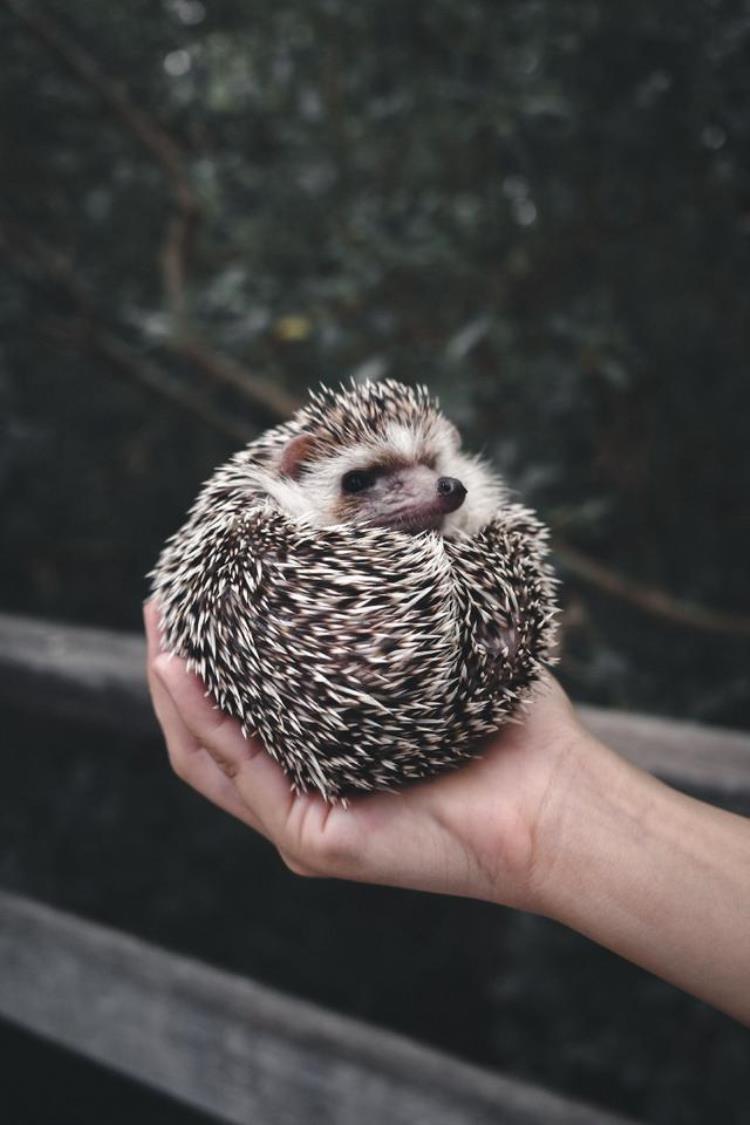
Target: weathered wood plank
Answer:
[[234, 1048], [67, 671], [687, 754], [97, 675]]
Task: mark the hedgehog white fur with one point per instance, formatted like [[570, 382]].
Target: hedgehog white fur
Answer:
[[364, 656]]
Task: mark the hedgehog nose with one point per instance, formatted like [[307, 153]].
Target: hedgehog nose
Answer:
[[451, 493]]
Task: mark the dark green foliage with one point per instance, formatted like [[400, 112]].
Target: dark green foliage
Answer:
[[541, 209]]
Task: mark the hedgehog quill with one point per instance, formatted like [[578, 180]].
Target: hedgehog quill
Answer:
[[361, 593]]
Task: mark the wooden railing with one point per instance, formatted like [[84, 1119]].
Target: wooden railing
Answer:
[[234, 1048], [225, 1044], [97, 676]]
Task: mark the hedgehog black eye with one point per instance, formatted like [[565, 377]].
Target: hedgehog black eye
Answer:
[[357, 480]]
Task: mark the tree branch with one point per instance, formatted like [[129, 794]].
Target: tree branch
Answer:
[[39, 262], [154, 138], [277, 402], [127, 362], [181, 227], [655, 602]]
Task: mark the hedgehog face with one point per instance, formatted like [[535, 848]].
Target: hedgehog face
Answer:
[[403, 477], [379, 455]]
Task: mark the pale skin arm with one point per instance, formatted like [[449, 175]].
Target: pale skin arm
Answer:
[[548, 820]]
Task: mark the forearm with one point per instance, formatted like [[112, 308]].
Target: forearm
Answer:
[[654, 875]]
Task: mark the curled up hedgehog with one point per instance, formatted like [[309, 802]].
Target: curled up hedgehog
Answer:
[[359, 592]]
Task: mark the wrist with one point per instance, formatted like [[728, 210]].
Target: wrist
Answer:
[[650, 873], [596, 804]]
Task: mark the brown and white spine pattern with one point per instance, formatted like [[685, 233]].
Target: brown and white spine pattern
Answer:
[[364, 658]]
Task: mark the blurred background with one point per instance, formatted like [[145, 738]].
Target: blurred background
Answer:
[[540, 209]]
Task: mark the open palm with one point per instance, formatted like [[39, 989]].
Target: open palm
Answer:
[[477, 831]]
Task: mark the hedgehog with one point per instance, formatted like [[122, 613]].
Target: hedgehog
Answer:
[[360, 593]]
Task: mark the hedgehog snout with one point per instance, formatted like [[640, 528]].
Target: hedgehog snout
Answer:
[[451, 493]]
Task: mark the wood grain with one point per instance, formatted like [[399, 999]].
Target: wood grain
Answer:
[[234, 1048]]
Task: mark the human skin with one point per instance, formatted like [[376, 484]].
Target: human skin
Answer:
[[548, 820]]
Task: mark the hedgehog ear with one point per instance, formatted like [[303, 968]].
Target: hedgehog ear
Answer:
[[454, 435], [294, 454]]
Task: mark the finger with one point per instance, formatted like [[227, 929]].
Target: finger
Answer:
[[195, 765], [208, 724], [202, 773], [310, 835], [199, 763], [259, 781], [152, 623], [385, 838]]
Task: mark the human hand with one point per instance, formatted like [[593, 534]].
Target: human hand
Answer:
[[480, 831], [548, 819]]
